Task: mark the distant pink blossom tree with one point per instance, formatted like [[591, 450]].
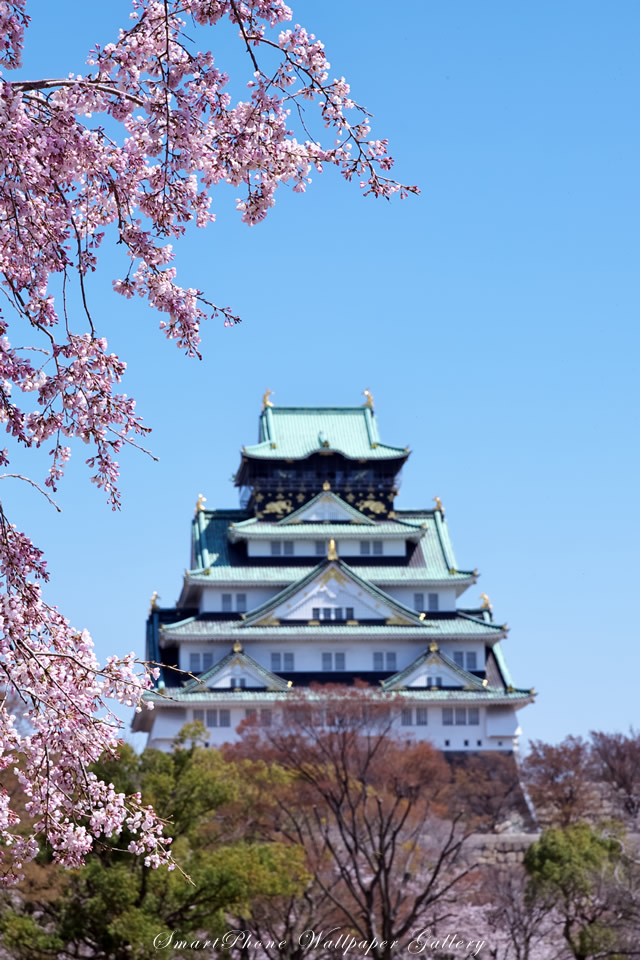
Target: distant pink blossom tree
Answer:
[[171, 133]]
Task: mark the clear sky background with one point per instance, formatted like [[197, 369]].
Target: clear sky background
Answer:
[[494, 319]]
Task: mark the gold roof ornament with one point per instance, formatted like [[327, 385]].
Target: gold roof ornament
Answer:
[[332, 553], [369, 400], [433, 647], [486, 602], [326, 485], [438, 503], [485, 682], [200, 502], [237, 647], [265, 399], [155, 596]]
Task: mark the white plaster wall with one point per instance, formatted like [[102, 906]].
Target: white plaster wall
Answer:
[[346, 547], [167, 724], [446, 595], [501, 722], [211, 598]]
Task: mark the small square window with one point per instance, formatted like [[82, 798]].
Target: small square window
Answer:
[[377, 548], [479, 743], [434, 602], [287, 661], [406, 717], [337, 613], [327, 661], [340, 661], [224, 718], [473, 716], [212, 718], [365, 548], [349, 612], [447, 743], [276, 548], [315, 613], [447, 716], [472, 661], [421, 716], [458, 658], [198, 715], [321, 550], [418, 601], [378, 661], [241, 602], [466, 743], [207, 661], [461, 717], [227, 603], [391, 661], [326, 613], [276, 662], [288, 548], [194, 663]]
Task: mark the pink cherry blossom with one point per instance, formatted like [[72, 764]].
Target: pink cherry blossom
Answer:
[[66, 184]]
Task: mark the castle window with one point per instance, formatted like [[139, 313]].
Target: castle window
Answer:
[[315, 613], [337, 613], [447, 716], [406, 717], [217, 718], [194, 663], [276, 662], [227, 603], [434, 681], [326, 613], [378, 661], [320, 548], [377, 548], [265, 718], [433, 602], [333, 661], [472, 661], [287, 548], [287, 661], [207, 661], [236, 682], [458, 658], [276, 548], [241, 602], [349, 612], [391, 660], [418, 601], [365, 548], [473, 716], [461, 716], [421, 716], [198, 716]]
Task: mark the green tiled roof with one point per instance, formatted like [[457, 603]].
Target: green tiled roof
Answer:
[[433, 558], [199, 628], [294, 433], [487, 696], [263, 530]]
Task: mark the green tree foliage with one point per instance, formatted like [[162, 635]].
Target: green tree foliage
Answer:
[[585, 875], [114, 906]]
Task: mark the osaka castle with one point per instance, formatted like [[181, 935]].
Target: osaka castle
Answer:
[[319, 578]]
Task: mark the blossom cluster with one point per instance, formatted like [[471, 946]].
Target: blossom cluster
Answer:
[[66, 184]]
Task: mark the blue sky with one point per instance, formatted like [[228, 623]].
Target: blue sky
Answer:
[[494, 318]]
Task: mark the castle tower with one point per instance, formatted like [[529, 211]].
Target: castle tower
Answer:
[[318, 579]]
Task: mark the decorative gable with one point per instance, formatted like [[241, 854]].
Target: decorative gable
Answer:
[[332, 592], [433, 670], [327, 507], [237, 671]]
